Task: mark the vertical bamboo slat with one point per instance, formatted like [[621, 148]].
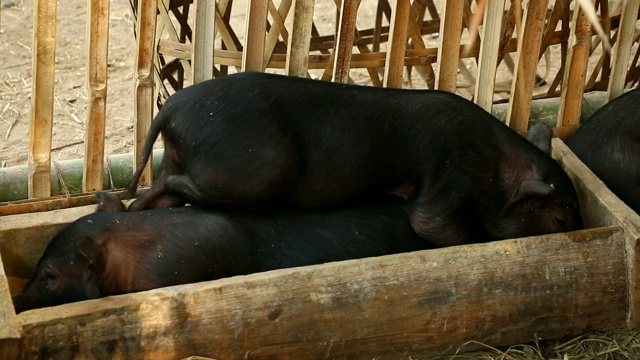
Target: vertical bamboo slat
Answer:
[[97, 58], [277, 28], [42, 88], [344, 42], [416, 15], [255, 30], [526, 65], [394, 64], [221, 27], [622, 48], [488, 61], [449, 46], [144, 87], [297, 59], [164, 25], [377, 26], [203, 40], [576, 69]]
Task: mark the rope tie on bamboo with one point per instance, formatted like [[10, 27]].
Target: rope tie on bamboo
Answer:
[[64, 190], [109, 174]]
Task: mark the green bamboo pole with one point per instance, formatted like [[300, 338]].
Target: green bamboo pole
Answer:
[[118, 168], [66, 176], [546, 110]]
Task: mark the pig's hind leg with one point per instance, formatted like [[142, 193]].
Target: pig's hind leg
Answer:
[[158, 196]]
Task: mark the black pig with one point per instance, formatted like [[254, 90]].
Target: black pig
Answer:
[[251, 140], [108, 253], [609, 144]]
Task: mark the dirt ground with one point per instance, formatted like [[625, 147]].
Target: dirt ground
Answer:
[[16, 38]]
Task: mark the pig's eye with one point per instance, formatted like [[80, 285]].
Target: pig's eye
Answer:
[[51, 278]]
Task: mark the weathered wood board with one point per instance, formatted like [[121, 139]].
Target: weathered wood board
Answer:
[[408, 305], [600, 207]]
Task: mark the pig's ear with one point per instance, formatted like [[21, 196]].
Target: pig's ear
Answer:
[[92, 252], [109, 203], [532, 188], [540, 135]]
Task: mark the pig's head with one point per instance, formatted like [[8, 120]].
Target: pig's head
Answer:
[[536, 204], [68, 271], [537, 195]]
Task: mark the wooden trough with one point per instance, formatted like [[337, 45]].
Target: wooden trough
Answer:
[[400, 306]]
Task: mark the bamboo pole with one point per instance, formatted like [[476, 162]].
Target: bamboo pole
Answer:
[[255, 30], [222, 12], [163, 23], [42, 88], [277, 29], [526, 64], [383, 8], [344, 41], [575, 69], [449, 46], [97, 58], [416, 15], [488, 62], [297, 60], [203, 40], [68, 180], [144, 87], [622, 48], [394, 64]]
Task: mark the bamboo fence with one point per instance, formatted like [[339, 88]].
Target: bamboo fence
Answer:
[[180, 42]]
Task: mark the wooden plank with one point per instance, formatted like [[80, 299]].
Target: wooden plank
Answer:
[[10, 327], [47, 204], [394, 65], [497, 293], [297, 58], [526, 65], [488, 62], [52, 203], [203, 40], [24, 237], [449, 46], [144, 87], [255, 30], [622, 48], [42, 87], [97, 58], [575, 70], [344, 41], [600, 207]]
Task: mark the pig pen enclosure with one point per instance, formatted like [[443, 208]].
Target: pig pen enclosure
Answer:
[[538, 60]]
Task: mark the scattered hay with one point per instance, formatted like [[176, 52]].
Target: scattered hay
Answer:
[[615, 344], [606, 345]]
